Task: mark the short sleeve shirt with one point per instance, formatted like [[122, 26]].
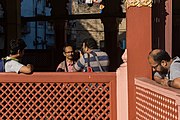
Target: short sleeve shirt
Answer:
[[174, 71], [12, 66]]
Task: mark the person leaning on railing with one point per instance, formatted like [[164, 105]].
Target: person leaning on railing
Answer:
[[166, 70], [12, 62]]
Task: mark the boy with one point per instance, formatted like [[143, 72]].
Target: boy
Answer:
[[16, 53]]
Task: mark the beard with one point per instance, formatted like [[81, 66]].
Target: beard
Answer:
[[163, 70], [70, 57]]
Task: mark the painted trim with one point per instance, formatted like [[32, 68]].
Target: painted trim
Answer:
[[122, 89], [138, 3]]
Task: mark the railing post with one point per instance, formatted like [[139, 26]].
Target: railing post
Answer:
[[178, 104], [122, 90]]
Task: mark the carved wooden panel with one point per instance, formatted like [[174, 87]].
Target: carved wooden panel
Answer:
[[154, 106], [49, 101]]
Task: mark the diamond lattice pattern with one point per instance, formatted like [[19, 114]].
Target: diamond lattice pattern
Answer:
[[67, 101], [153, 106]]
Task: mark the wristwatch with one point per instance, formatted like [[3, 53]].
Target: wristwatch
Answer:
[[170, 82]]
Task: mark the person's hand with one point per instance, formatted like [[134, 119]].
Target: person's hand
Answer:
[[30, 66], [80, 53], [28, 69], [164, 82]]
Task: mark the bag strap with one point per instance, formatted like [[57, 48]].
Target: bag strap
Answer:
[[100, 67], [89, 68], [66, 66], [177, 61], [88, 60]]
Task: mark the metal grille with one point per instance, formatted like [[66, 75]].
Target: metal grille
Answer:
[[153, 106], [67, 101]]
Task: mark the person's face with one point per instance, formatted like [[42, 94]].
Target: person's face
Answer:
[[158, 67], [20, 53], [68, 53]]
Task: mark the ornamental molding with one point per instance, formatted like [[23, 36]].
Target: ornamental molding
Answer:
[[139, 3]]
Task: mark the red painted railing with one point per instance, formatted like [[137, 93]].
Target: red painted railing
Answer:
[[67, 96], [156, 102], [76, 96]]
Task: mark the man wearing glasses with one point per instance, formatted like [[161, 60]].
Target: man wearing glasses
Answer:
[[166, 70], [67, 64]]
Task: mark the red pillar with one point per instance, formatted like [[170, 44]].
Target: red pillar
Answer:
[[139, 44]]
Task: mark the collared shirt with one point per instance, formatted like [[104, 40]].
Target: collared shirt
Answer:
[[70, 67], [62, 67]]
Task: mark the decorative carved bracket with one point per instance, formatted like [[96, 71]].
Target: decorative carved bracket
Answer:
[[139, 3]]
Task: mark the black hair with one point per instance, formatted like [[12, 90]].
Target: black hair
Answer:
[[160, 55], [66, 45], [15, 45], [90, 43]]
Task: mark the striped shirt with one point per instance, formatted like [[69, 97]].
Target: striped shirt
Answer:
[[103, 59]]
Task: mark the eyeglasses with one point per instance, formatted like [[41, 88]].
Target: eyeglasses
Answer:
[[69, 52], [156, 66]]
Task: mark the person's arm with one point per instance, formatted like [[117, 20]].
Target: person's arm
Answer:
[[171, 83], [80, 64], [26, 69], [161, 80], [174, 83], [61, 67], [158, 79]]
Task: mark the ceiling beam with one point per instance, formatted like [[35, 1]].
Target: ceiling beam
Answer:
[[72, 17]]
